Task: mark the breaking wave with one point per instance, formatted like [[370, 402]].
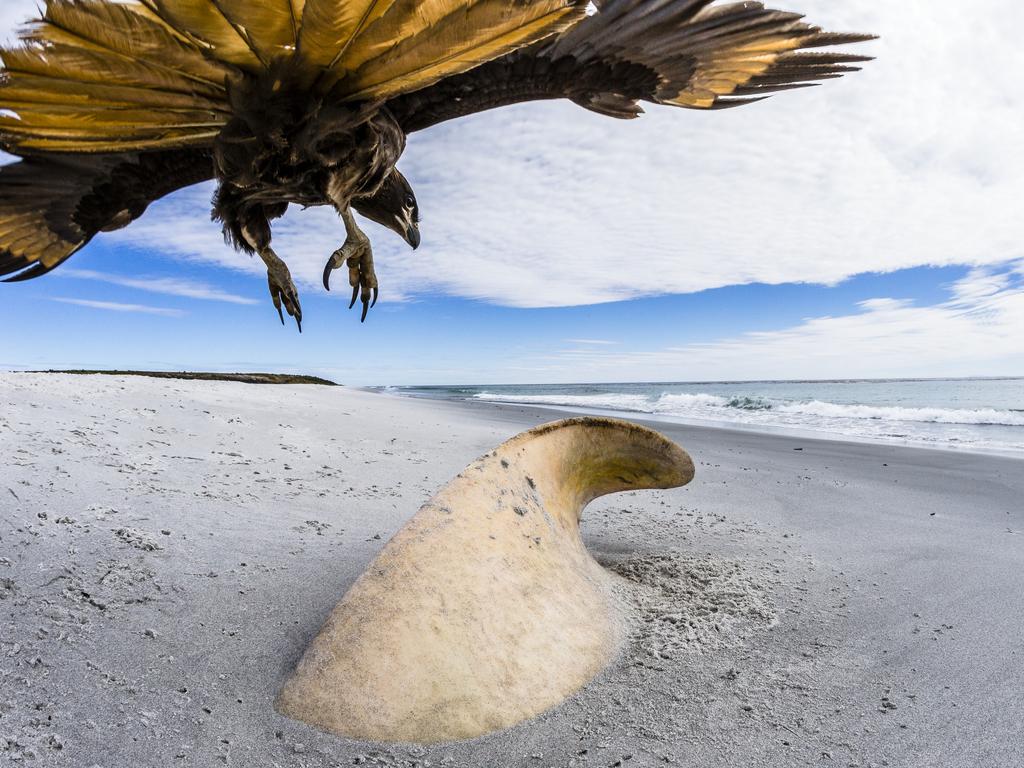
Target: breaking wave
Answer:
[[763, 410], [979, 416]]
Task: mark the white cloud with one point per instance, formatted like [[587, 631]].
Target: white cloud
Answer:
[[13, 14], [915, 161], [976, 332], [113, 306], [170, 286]]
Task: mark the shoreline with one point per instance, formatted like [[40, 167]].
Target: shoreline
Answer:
[[655, 421], [169, 548]]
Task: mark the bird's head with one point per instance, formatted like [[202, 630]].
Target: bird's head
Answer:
[[393, 206]]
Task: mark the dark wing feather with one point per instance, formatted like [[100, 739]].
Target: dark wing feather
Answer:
[[51, 207], [686, 53]]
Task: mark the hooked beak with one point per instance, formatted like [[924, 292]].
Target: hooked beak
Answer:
[[406, 226], [412, 236]]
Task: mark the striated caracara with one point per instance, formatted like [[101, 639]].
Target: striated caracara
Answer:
[[112, 105]]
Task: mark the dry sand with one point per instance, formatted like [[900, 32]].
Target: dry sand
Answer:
[[168, 549]]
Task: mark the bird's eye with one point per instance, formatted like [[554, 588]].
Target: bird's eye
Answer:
[[410, 201]]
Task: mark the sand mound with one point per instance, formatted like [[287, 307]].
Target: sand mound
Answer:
[[689, 603]]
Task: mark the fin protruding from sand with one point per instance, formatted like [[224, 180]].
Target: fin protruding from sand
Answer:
[[486, 609]]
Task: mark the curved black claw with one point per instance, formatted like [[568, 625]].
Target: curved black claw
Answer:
[[376, 295], [327, 273], [366, 308], [284, 296], [336, 261], [355, 295]]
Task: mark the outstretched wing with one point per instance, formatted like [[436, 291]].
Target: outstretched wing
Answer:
[[128, 75], [686, 53], [50, 208]]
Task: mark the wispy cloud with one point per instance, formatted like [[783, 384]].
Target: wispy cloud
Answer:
[[595, 342], [978, 330], [12, 15], [170, 286], [114, 306]]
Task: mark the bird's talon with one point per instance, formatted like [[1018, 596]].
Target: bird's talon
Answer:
[[283, 293], [336, 260], [357, 255]]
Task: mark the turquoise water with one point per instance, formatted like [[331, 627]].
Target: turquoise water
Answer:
[[978, 414]]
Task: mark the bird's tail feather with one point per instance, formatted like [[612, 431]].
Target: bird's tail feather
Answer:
[[710, 56]]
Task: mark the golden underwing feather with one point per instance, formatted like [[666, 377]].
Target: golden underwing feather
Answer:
[[123, 29], [93, 65], [330, 27], [437, 40], [722, 74], [95, 76], [65, 52], [51, 90], [127, 133], [270, 26], [202, 20], [24, 226], [106, 145], [123, 121], [734, 48], [404, 19]]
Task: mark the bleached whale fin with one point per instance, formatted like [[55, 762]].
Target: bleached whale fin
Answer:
[[486, 609]]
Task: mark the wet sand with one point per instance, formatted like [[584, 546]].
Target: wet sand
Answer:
[[168, 548]]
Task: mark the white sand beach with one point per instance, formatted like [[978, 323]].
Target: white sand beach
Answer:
[[169, 548]]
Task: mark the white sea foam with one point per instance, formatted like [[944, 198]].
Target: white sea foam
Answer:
[[704, 405], [980, 416], [955, 426]]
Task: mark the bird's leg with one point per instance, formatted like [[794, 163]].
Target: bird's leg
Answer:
[[279, 278], [357, 253]]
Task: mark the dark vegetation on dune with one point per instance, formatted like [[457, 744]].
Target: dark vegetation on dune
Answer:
[[244, 378]]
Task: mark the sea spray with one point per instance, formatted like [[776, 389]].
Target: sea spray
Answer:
[[971, 413]]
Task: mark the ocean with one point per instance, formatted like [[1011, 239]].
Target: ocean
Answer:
[[967, 414]]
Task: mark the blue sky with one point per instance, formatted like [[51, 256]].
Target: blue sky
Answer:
[[867, 228]]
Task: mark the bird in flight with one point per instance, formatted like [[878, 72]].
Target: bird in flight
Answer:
[[113, 104]]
